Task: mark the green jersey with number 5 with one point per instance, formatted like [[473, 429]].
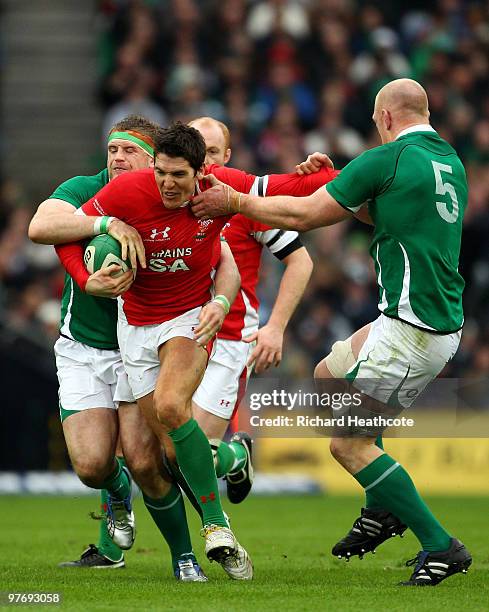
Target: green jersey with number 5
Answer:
[[416, 191]]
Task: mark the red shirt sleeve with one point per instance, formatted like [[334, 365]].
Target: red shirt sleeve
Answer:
[[237, 179], [277, 184], [295, 185], [111, 200], [71, 256]]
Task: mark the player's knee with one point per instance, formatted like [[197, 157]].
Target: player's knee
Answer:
[[338, 363], [141, 465], [169, 410], [148, 477], [321, 370], [341, 449], [92, 471]]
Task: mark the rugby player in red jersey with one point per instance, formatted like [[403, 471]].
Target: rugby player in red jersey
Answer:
[[169, 314]]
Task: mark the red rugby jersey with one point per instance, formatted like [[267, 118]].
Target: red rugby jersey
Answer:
[[181, 251]]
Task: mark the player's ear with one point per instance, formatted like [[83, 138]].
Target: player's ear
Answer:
[[227, 156], [386, 118], [201, 173]]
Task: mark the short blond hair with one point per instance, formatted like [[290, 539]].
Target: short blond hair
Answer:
[[222, 126]]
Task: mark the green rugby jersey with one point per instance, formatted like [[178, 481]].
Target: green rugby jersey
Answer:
[[416, 190], [85, 318]]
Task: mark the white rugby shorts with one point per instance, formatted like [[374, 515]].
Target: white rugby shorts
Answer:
[[225, 378], [139, 347], [90, 377], [400, 359]]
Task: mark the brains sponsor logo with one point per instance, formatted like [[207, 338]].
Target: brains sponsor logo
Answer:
[[170, 260], [178, 252]]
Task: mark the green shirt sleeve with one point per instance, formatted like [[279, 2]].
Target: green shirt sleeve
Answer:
[[361, 180], [80, 189], [71, 191]]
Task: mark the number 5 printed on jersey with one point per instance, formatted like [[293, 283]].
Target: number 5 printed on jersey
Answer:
[[442, 189]]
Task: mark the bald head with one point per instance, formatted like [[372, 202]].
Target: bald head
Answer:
[[398, 105], [217, 139], [404, 96]]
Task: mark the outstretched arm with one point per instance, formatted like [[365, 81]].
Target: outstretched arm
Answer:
[[285, 212], [58, 222], [55, 222]]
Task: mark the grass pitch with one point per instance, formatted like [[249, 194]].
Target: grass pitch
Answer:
[[289, 539]]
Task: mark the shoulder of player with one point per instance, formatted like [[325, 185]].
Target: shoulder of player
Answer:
[[238, 179], [218, 171], [427, 140], [212, 168], [381, 159], [132, 184], [381, 152], [135, 177], [83, 180], [78, 189]]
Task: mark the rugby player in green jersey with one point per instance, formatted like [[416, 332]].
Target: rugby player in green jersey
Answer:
[[415, 188], [93, 382]]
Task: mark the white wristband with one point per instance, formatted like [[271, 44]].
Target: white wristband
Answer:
[[96, 226], [222, 301], [101, 225]]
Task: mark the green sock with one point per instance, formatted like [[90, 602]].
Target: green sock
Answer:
[[370, 502], [230, 458], [195, 460], [168, 513], [105, 544], [117, 484], [395, 491], [178, 476]]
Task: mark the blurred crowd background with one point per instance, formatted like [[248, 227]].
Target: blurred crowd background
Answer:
[[288, 77]]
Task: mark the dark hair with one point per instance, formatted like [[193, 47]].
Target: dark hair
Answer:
[[181, 140], [137, 123]]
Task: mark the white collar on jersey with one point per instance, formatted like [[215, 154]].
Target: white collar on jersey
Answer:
[[421, 127]]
